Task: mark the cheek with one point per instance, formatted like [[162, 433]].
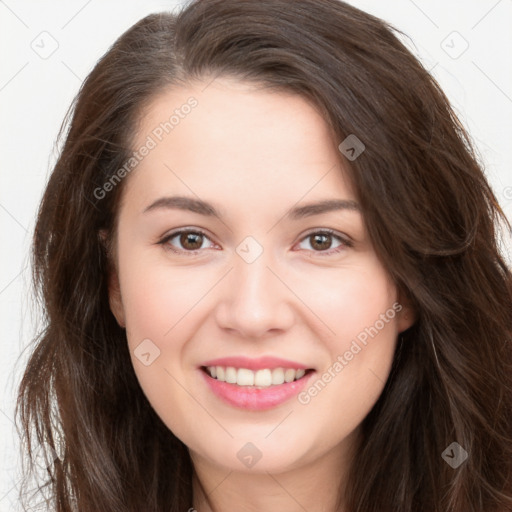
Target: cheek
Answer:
[[359, 307], [157, 298], [159, 304], [348, 300], [163, 307]]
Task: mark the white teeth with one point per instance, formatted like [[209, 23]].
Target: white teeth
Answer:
[[231, 375], [245, 377], [289, 375], [277, 376], [261, 378]]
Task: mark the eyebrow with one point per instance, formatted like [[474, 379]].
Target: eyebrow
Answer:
[[204, 208]]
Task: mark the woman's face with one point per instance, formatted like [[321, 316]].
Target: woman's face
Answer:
[[242, 266]]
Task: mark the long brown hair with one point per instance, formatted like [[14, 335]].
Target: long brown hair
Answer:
[[430, 213]]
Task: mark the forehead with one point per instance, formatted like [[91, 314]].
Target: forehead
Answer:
[[239, 142]]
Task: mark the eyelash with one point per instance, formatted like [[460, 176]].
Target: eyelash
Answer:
[[345, 242]]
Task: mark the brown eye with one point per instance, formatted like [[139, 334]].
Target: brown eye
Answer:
[[325, 242], [191, 241], [185, 241], [321, 241]]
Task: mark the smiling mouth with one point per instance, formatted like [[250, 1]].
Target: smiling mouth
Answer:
[[259, 379]]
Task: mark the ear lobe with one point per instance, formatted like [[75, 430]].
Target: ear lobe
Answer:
[[114, 289], [407, 316], [405, 319], [114, 298]]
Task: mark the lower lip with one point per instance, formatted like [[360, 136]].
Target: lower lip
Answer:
[[255, 399]]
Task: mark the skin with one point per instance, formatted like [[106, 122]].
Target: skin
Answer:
[[253, 154]]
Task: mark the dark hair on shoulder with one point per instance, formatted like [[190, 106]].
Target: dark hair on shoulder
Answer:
[[430, 213]]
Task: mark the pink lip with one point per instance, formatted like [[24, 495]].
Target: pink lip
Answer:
[[255, 364], [254, 399]]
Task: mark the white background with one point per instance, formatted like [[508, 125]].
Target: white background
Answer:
[[35, 93]]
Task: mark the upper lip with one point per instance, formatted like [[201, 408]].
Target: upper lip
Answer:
[[255, 363]]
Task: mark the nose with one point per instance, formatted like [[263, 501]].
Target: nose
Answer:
[[255, 300]]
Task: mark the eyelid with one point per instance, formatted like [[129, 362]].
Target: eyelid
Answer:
[[329, 231]]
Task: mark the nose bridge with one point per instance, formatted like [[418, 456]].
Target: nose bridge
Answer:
[[254, 300]]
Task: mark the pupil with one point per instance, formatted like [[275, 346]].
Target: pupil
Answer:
[[191, 239], [317, 241]]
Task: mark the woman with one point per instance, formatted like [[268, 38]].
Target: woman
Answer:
[[270, 267]]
